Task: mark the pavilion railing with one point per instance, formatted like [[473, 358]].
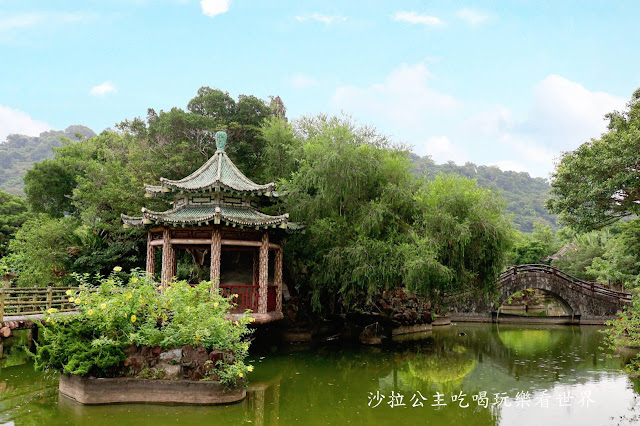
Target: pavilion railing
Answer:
[[272, 291], [570, 279], [247, 296], [16, 301]]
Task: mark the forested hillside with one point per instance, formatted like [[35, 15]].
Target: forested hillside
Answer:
[[19, 152], [525, 195]]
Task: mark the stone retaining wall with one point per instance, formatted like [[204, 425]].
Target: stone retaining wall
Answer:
[[120, 390]]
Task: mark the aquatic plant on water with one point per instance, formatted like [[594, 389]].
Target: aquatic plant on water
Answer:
[[117, 318]]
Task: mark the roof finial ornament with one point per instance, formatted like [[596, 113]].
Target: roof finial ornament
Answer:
[[221, 140]]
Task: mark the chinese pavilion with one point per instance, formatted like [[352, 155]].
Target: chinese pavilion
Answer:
[[216, 209]]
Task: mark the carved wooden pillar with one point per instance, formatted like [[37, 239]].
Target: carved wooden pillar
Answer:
[[216, 251], [151, 257], [256, 267], [277, 277], [263, 277], [168, 257]]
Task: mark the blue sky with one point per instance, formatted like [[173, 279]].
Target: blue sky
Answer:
[[511, 84]]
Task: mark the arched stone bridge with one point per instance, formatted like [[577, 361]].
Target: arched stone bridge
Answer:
[[585, 299], [588, 302]]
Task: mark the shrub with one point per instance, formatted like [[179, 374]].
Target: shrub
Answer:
[[114, 316]]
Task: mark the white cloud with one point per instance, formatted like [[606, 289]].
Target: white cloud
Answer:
[[16, 121], [416, 18], [25, 20], [441, 150], [214, 7], [318, 17], [300, 81], [510, 165], [404, 98], [103, 89], [9, 23], [472, 16], [563, 114]]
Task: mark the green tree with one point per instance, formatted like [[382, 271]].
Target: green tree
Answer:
[[13, 213], [372, 226], [599, 182], [620, 260], [49, 186], [47, 247]]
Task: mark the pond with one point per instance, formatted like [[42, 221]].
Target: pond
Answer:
[[541, 375]]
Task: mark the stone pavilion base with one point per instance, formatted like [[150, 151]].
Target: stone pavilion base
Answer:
[[120, 390]]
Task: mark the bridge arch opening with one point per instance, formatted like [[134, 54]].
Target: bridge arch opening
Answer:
[[534, 302]]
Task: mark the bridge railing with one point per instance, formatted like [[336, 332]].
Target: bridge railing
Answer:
[[591, 286], [32, 301]]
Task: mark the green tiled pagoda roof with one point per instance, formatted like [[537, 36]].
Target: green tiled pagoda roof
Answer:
[[204, 215], [217, 174]]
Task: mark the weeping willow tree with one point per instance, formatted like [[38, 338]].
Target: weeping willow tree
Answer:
[[371, 226]]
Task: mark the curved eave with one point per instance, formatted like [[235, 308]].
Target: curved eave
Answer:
[[217, 174], [216, 216], [132, 221]]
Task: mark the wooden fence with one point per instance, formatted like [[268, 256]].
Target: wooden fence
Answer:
[[34, 301]]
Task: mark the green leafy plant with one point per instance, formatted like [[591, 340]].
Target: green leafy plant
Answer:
[[115, 316]]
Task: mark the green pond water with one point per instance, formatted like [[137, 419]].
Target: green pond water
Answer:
[[559, 373]]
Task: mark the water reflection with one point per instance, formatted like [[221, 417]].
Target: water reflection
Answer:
[[332, 384]]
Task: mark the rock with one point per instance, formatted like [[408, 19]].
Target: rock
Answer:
[[372, 334], [216, 355], [170, 371], [5, 332], [229, 358], [172, 356], [156, 351], [130, 350]]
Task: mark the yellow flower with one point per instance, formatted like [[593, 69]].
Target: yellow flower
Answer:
[[215, 304], [133, 318], [246, 347], [68, 292], [250, 368], [240, 375], [71, 300], [236, 323], [117, 269], [252, 319], [129, 296], [52, 310], [90, 312], [188, 308], [103, 306], [234, 295]]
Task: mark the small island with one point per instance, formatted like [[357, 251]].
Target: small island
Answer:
[[131, 342]]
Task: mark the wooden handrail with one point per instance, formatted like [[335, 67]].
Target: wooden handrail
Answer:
[[33, 301]]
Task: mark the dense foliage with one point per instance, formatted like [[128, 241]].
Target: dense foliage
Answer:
[[93, 181], [525, 195], [535, 247], [115, 316], [599, 182], [13, 213], [371, 226], [19, 152]]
